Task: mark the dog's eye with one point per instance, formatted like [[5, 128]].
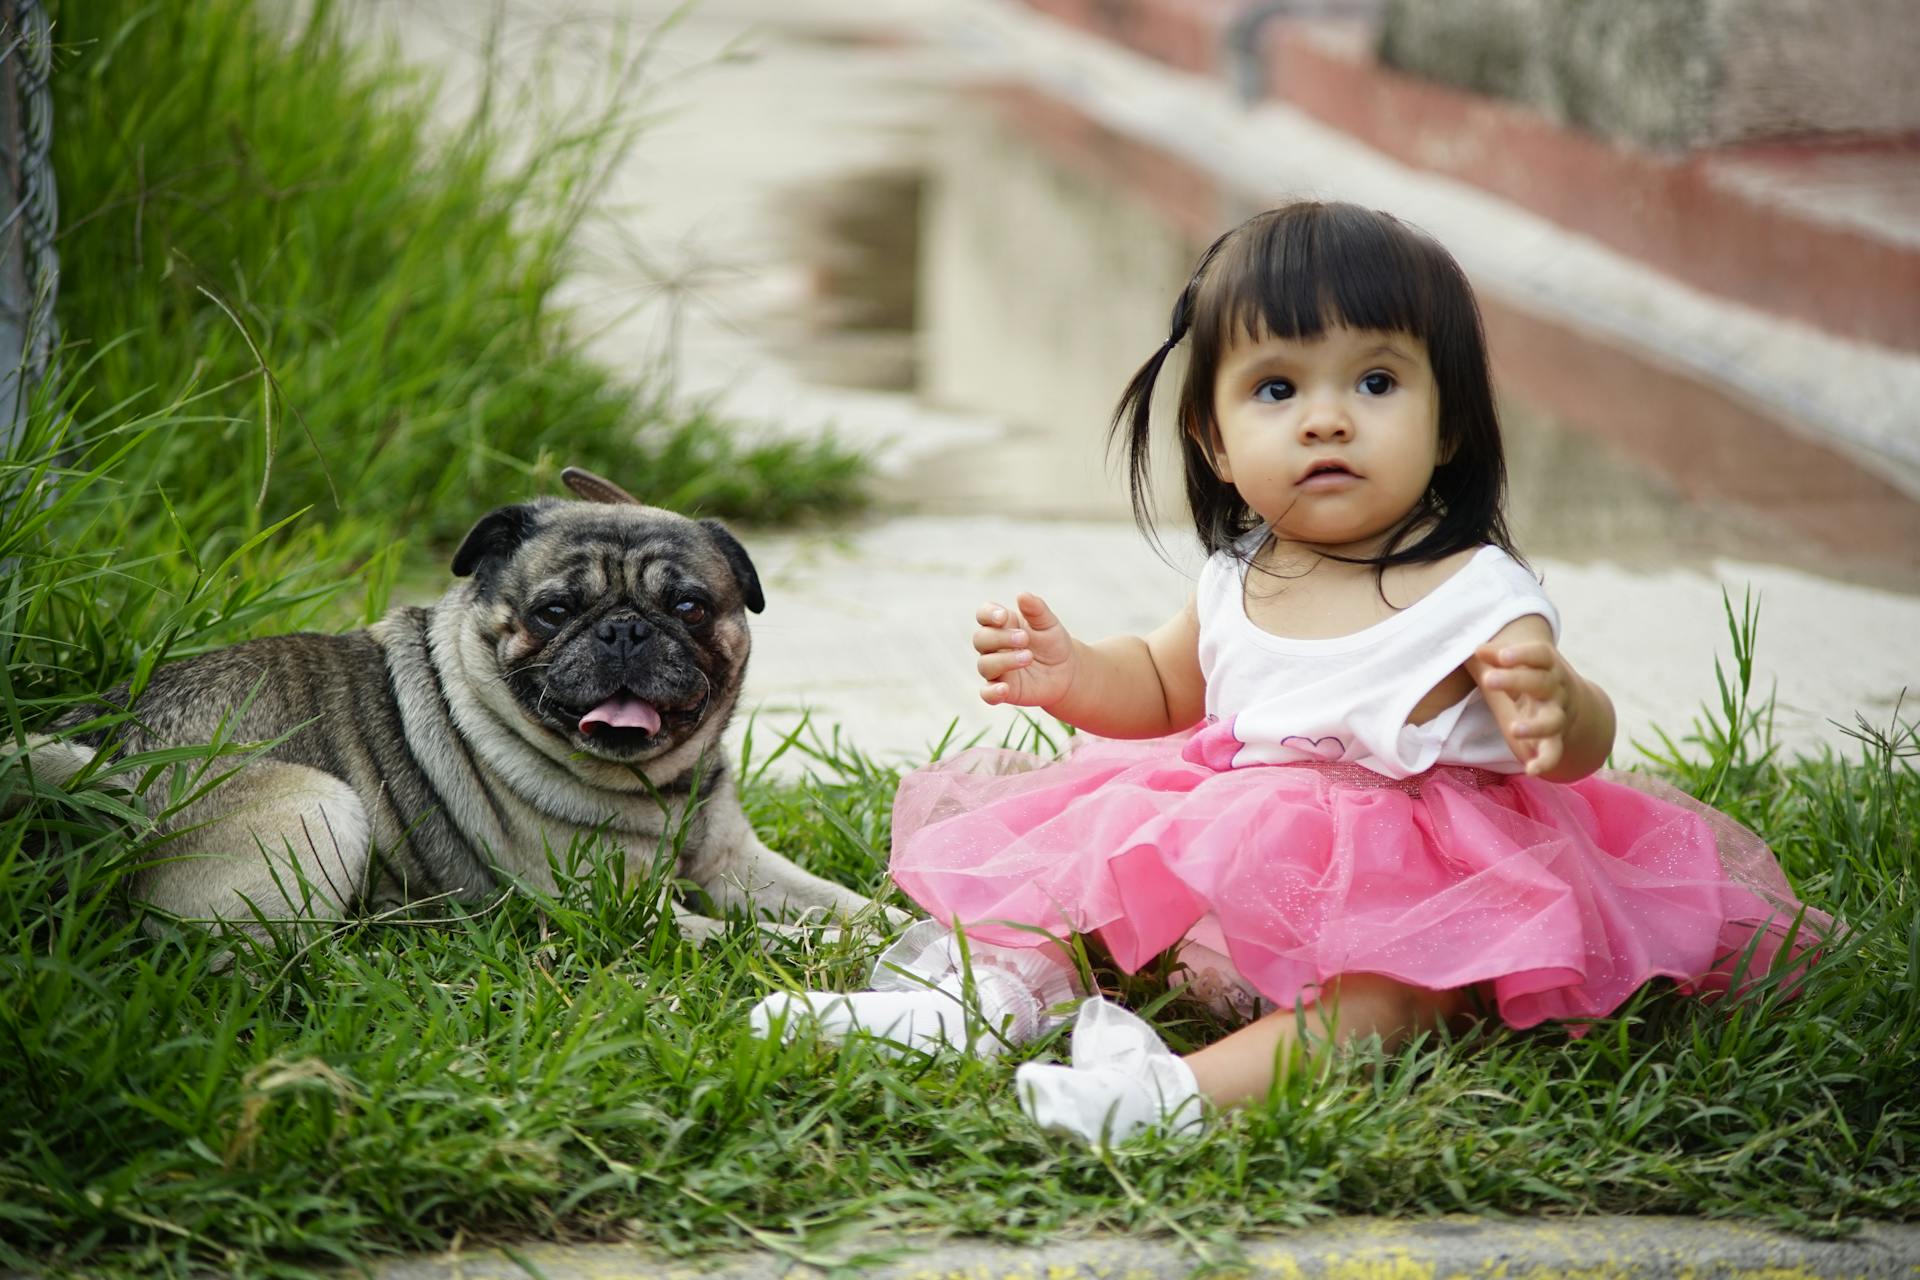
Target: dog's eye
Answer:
[[691, 612], [553, 615]]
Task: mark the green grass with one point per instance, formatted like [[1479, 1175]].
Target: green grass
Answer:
[[346, 309]]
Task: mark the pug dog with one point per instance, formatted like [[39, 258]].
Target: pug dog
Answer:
[[573, 682]]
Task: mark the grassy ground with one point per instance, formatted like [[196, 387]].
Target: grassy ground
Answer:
[[569, 1068]]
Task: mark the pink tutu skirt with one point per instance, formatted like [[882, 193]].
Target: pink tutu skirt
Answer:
[[1563, 898]]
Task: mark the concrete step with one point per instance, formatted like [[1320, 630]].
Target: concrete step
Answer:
[[1737, 267], [1824, 230]]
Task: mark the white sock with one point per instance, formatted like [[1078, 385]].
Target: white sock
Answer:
[[1002, 1012], [1123, 1081]]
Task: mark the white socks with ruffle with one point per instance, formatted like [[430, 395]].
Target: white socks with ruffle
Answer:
[[922, 1000], [1123, 1080], [1000, 1013]]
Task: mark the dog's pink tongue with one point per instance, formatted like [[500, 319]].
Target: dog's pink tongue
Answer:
[[621, 711]]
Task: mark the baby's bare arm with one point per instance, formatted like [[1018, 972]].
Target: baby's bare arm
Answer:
[[1559, 725], [1122, 687]]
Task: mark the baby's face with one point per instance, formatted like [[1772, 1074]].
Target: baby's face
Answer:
[[1331, 440]]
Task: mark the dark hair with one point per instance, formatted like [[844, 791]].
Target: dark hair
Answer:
[[1291, 273]]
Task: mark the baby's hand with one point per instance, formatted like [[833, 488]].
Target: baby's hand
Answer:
[[1026, 659], [1542, 697]]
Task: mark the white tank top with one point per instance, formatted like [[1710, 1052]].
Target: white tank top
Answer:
[[1274, 700]]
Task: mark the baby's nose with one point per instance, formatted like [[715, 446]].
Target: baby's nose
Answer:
[[1326, 426]]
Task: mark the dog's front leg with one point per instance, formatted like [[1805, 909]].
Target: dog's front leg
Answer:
[[699, 929], [737, 870]]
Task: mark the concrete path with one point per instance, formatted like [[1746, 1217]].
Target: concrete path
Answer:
[[868, 629], [1457, 1248]]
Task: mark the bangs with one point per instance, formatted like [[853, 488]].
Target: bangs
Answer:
[[1296, 277]]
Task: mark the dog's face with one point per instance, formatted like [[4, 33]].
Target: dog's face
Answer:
[[619, 630]]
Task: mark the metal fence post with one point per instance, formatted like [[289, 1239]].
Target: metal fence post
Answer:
[[29, 213]]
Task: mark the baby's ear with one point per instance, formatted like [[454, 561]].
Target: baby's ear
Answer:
[[1206, 435], [1449, 440]]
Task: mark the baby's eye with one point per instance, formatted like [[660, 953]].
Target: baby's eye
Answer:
[[1377, 383], [1273, 390]]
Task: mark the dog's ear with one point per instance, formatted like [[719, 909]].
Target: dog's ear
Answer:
[[595, 488], [743, 571], [493, 541]]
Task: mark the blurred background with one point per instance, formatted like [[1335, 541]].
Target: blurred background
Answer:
[[940, 235], [948, 230]]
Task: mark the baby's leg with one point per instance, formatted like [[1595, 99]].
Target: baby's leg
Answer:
[[1241, 1067], [1210, 978], [1124, 1079]]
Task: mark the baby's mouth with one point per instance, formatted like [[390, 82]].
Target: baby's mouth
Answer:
[[1328, 472]]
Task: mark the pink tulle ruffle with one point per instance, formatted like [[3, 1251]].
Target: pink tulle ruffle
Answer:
[[1565, 897]]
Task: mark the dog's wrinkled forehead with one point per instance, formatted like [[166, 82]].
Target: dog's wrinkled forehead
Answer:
[[631, 553], [604, 551]]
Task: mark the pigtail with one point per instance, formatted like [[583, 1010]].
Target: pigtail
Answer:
[[1132, 417]]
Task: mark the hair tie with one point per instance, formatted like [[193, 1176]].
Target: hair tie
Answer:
[[1177, 323]]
